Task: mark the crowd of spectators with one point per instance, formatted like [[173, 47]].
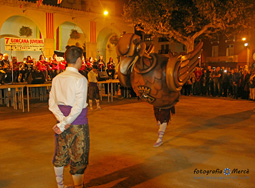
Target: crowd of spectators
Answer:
[[215, 82], [221, 82]]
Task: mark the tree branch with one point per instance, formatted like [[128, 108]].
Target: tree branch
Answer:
[[203, 30]]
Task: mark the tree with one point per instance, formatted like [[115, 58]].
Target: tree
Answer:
[[187, 20]]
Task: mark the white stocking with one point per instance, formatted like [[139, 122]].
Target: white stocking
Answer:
[[98, 104], [90, 104], [161, 132], [59, 176], [78, 180]]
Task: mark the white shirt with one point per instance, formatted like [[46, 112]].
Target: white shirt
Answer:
[[68, 88], [92, 76]]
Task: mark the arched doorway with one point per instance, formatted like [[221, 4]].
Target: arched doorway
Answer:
[[106, 43], [19, 27], [69, 33]]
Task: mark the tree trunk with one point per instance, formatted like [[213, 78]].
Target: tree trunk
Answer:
[[189, 45]]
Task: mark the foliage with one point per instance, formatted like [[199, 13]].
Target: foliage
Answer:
[[187, 20]]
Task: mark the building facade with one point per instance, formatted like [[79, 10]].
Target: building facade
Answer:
[[232, 52], [60, 26]]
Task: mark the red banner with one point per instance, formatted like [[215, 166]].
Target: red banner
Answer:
[[49, 26], [93, 35]]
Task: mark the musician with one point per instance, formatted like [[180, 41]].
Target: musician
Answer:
[[7, 69], [23, 70], [100, 64], [15, 64], [30, 63], [6, 62], [55, 66], [41, 65], [62, 66], [1, 59], [30, 66], [111, 68], [83, 69], [2, 72], [49, 68], [89, 63]]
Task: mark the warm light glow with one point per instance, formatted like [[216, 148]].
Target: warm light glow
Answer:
[[246, 44], [243, 39], [105, 12]]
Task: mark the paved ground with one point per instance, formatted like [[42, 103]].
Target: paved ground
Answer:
[[205, 134]]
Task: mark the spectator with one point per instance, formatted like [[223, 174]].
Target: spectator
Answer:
[[230, 75], [210, 82], [204, 83], [236, 78], [216, 81], [225, 83], [252, 85], [193, 79], [187, 87], [198, 74], [244, 84]]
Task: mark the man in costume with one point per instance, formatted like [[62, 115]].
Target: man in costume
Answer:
[[68, 103], [93, 88], [154, 78]]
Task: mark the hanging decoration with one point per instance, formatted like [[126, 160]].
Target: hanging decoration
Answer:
[[25, 31], [74, 34], [39, 3], [114, 39]]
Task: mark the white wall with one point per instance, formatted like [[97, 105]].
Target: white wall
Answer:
[[66, 31], [11, 27]]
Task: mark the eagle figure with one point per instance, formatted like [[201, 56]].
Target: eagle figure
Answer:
[[154, 78]]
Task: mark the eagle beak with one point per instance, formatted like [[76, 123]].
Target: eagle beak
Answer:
[[127, 64]]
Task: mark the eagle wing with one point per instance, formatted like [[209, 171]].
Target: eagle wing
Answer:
[[179, 68]]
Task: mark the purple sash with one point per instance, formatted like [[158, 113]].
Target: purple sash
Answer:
[[82, 117]]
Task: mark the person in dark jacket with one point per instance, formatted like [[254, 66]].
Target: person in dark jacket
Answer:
[[235, 79], [244, 84]]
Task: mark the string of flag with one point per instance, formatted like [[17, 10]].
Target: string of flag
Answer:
[[39, 2]]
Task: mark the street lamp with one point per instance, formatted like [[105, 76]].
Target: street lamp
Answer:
[[106, 12], [248, 53]]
